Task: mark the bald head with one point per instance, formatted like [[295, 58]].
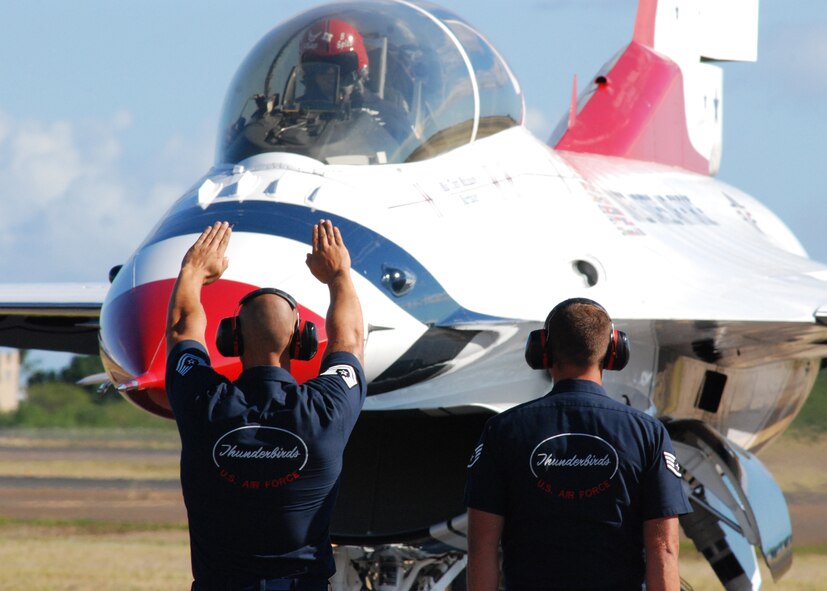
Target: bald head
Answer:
[[267, 323]]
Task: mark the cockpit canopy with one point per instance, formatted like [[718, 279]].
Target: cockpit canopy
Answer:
[[368, 83]]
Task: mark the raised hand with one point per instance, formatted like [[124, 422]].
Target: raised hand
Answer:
[[330, 257], [330, 263], [206, 257]]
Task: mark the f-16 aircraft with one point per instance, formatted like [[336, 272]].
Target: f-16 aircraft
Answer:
[[404, 125]]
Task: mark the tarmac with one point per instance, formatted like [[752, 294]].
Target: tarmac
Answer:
[[27, 493]]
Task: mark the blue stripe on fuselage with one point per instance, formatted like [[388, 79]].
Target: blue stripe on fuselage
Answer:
[[369, 251]]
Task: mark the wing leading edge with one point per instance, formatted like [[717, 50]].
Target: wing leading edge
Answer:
[[51, 317]]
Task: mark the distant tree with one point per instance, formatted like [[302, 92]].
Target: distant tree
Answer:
[[41, 376], [55, 400], [83, 366], [27, 365], [79, 367], [64, 405], [813, 416]]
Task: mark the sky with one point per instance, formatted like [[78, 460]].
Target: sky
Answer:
[[109, 110]]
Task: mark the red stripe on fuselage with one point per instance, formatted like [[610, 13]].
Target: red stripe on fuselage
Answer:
[[133, 336]]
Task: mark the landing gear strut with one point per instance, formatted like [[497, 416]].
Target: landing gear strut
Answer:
[[397, 568]]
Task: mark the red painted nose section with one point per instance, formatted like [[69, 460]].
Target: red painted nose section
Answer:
[[133, 339]]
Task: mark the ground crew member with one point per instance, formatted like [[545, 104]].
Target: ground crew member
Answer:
[[582, 491], [261, 456]]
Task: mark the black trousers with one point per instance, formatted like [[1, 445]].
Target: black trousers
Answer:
[[265, 584]]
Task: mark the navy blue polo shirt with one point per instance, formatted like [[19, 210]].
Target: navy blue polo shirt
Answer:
[[260, 464], [574, 474]]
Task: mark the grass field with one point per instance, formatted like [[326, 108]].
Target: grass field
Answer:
[[64, 557], [83, 557], [102, 510]]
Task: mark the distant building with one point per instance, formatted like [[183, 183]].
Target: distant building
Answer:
[[9, 379]]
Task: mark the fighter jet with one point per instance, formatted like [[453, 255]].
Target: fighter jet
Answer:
[[405, 126]]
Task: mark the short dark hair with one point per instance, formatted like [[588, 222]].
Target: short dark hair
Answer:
[[578, 333]]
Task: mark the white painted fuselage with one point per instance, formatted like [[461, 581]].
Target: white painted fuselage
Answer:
[[495, 233]]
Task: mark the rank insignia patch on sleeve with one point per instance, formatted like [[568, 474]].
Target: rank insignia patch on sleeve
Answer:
[[186, 363], [672, 463], [475, 456], [346, 372]]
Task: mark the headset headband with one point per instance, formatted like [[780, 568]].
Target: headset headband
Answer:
[[268, 291], [571, 302], [303, 344], [538, 355]]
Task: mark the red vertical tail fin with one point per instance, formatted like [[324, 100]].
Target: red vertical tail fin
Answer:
[[659, 100]]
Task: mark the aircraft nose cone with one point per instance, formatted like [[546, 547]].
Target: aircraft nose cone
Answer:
[[133, 339]]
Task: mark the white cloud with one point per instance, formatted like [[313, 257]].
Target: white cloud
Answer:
[[41, 160], [122, 120], [5, 126], [75, 201]]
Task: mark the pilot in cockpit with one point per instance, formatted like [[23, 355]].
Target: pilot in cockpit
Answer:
[[334, 65], [334, 71], [331, 108]]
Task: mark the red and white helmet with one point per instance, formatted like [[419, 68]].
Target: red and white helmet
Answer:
[[334, 41]]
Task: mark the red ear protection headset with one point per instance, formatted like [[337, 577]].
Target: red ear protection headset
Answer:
[[303, 345], [538, 354]]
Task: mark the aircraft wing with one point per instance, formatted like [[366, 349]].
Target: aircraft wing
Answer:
[[51, 316]]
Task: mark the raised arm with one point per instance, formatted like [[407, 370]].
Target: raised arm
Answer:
[[330, 263], [204, 263]]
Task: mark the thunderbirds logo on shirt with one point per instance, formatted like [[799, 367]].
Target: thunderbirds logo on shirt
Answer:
[[574, 466], [259, 457]]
